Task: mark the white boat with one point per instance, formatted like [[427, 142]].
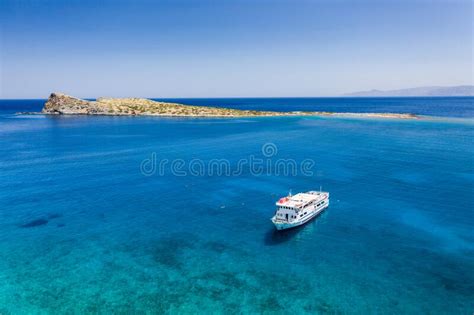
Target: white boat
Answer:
[[295, 210]]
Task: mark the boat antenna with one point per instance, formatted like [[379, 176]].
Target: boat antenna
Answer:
[[320, 188], [289, 194]]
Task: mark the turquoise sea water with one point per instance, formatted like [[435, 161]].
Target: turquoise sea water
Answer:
[[82, 229]]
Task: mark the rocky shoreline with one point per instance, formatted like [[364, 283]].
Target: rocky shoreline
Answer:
[[61, 104]]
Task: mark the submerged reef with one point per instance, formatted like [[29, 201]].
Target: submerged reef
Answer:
[[34, 223], [40, 221]]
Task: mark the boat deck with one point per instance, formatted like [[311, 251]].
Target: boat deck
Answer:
[[301, 199]]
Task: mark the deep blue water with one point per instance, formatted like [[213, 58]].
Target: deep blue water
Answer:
[[82, 229], [431, 106]]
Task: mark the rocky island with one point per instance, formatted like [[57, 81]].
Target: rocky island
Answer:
[[61, 104]]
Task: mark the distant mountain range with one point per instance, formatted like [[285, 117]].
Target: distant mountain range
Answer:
[[461, 90]]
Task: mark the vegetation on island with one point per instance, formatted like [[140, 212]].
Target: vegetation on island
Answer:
[[59, 103]]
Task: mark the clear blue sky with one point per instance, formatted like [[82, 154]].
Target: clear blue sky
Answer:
[[231, 48]]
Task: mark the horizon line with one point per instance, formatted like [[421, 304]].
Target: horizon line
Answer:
[[245, 97]]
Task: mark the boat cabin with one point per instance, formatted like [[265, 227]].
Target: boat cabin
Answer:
[[292, 207]]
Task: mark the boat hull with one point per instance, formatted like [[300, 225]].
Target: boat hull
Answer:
[[282, 225]]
